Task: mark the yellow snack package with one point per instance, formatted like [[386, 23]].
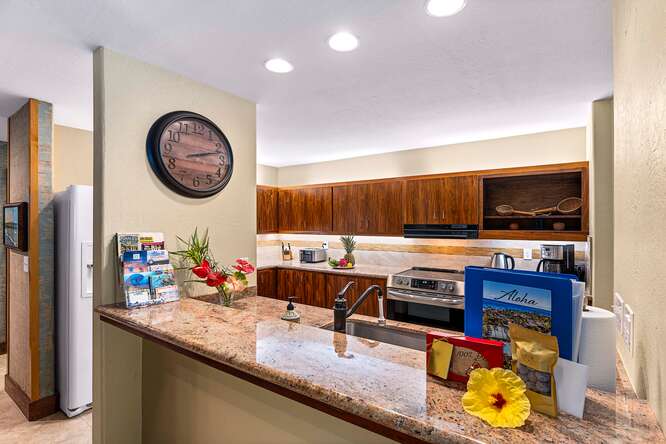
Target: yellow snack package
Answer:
[[533, 358]]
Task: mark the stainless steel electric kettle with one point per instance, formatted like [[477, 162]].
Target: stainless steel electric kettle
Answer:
[[501, 260]]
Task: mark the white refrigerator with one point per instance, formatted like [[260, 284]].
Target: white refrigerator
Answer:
[[74, 302]]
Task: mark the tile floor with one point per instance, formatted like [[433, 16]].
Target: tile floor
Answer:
[[57, 428]]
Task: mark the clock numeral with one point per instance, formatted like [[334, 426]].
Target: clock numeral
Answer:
[[210, 135], [171, 163], [222, 159], [198, 129], [195, 182], [219, 172], [168, 147], [174, 136], [218, 147], [209, 179]]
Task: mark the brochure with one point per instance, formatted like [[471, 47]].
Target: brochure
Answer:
[[539, 301]]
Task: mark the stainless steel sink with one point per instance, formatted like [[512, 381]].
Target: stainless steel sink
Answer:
[[390, 335]]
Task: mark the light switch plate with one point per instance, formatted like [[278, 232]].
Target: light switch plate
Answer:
[[26, 264], [618, 309], [527, 253], [628, 328]]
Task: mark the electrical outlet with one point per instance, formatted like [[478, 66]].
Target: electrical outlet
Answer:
[[527, 253], [628, 328], [618, 309]]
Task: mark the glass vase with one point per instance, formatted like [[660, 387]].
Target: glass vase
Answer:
[[226, 297]]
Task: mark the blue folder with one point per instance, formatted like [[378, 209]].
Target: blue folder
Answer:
[[527, 297]]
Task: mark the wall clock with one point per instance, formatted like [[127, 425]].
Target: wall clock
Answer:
[[189, 154]]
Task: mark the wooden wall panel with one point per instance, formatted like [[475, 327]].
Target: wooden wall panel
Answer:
[[30, 288], [18, 347], [18, 313]]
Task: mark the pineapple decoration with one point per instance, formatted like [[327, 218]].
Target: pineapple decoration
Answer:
[[349, 244]]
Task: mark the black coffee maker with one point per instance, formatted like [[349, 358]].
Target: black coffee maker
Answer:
[[557, 259]]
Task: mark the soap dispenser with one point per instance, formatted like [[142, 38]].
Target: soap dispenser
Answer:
[[291, 314]]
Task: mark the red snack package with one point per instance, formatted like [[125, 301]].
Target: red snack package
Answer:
[[468, 353]]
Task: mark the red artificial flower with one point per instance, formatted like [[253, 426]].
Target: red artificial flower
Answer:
[[202, 270], [215, 279], [244, 266]]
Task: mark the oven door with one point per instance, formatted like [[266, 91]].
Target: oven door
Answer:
[[422, 308]]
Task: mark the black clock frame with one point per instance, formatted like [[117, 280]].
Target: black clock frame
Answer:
[[161, 171]]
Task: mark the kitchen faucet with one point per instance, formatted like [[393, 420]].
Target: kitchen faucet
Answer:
[[340, 312]]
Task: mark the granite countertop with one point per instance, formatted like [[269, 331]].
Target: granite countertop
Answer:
[[365, 270], [376, 382]]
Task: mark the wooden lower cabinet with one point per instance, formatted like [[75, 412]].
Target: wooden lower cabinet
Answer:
[[267, 282], [309, 287], [335, 283], [319, 289]]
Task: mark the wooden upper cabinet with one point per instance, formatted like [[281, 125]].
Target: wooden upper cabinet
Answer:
[[267, 209], [446, 200], [422, 206], [305, 210], [368, 208], [460, 200]]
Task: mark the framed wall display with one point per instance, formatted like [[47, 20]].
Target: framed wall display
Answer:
[[15, 226], [190, 154]]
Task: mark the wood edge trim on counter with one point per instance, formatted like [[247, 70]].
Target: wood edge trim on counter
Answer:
[[290, 394], [31, 409], [524, 170], [3, 348]]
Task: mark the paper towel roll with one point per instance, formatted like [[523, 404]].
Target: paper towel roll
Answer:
[[597, 347]]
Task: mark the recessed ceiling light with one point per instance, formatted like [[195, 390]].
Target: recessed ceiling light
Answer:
[[280, 66], [444, 8], [343, 42]]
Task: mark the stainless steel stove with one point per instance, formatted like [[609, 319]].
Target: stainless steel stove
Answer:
[[428, 296]]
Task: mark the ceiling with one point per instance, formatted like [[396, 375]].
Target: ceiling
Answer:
[[499, 68]]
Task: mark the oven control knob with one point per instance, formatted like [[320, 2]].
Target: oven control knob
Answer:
[[450, 287]]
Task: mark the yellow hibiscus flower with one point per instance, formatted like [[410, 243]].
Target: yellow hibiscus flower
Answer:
[[497, 396]]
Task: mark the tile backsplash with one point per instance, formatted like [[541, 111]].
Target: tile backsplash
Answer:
[[397, 251]]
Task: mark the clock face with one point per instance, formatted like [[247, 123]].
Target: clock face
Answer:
[[190, 154]]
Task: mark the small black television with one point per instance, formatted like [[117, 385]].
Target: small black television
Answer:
[[15, 226]]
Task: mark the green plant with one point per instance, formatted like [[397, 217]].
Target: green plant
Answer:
[[199, 260], [196, 251]]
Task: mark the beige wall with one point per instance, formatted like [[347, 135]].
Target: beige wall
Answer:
[[533, 149], [72, 157], [129, 97], [639, 69], [267, 175], [600, 156], [228, 409]]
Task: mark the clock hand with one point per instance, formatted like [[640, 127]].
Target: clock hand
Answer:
[[202, 154]]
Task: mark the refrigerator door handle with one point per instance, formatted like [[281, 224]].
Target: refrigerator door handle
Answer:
[[86, 270]]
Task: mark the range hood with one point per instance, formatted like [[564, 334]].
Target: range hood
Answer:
[[441, 231]]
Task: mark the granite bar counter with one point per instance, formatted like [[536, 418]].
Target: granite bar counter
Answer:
[[377, 386]]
